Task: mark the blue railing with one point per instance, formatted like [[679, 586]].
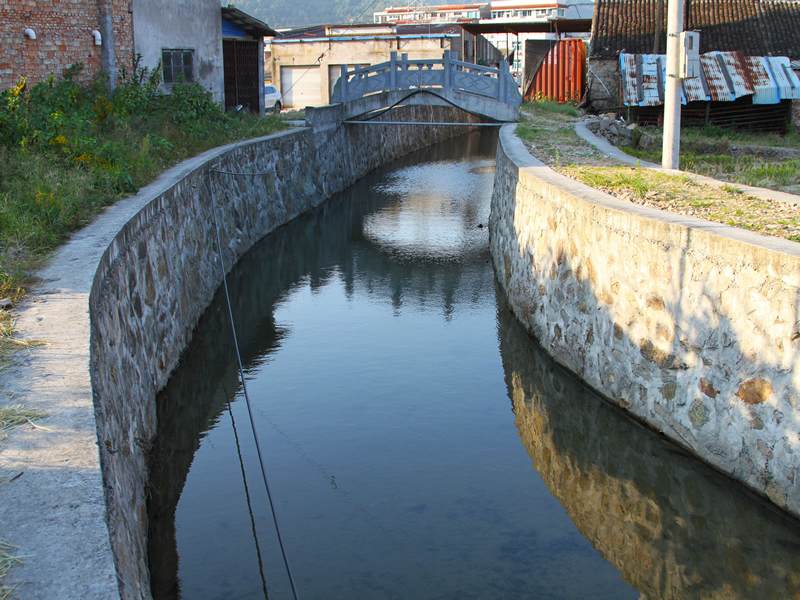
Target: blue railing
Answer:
[[447, 73]]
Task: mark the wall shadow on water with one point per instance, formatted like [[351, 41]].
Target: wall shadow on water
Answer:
[[675, 528], [325, 243]]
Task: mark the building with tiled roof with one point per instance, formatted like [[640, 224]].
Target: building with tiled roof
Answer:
[[751, 27], [754, 27]]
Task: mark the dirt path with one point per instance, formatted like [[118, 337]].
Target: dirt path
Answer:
[[566, 145]]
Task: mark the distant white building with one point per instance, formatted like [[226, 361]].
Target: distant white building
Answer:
[[511, 41], [528, 10], [516, 10], [444, 13]]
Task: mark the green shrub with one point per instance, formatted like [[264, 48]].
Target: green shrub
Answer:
[[67, 149]]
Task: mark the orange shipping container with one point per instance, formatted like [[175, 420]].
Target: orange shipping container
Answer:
[[562, 76]]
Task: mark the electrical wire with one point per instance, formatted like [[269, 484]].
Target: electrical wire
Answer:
[[375, 115], [244, 387], [247, 496]]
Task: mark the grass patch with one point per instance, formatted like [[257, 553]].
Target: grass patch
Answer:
[[16, 414], [730, 136], [548, 107], [8, 559], [67, 150], [678, 193], [710, 151]]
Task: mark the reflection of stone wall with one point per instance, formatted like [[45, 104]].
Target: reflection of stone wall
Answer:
[[674, 528], [689, 325], [160, 272]]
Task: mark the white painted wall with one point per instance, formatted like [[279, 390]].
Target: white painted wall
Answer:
[[189, 24]]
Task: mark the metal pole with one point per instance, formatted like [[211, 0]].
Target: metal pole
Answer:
[[670, 157]]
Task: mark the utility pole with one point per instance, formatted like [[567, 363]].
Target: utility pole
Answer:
[[670, 155]]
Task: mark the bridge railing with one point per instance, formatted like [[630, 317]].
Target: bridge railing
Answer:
[[448, 73]]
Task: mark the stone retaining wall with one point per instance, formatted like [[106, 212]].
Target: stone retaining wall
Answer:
[[689, 325], [162, 269]]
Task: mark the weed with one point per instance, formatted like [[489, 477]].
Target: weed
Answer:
[[11, 416], [68, 149], [8, 559]]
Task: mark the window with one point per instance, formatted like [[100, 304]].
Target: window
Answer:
[[178, 65]]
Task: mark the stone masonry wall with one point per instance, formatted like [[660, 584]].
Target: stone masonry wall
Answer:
[[161, 271], [604, 83], [63, 37], [690, 326], [650, 510]]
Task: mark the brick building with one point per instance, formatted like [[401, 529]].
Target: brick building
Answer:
[[39, 37]]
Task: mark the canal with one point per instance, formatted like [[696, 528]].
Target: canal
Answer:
[[418, 444]]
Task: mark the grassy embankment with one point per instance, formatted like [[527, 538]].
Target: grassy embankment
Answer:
[[707, 151], [69, 149]]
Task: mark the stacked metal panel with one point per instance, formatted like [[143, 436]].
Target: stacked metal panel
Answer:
[[724, 77]]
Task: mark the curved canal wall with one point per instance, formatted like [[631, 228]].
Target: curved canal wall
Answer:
[[691, 326], [162, 269]]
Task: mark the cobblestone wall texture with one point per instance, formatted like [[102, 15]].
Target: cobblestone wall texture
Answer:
[[162, 270], [63, 37], [651, 511], [690, 326]]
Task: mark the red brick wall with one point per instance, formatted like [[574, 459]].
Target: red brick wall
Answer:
[[63, 37]]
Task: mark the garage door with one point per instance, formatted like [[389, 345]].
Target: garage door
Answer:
[[300, 87]]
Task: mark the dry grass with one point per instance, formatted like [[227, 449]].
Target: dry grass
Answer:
[[16, 414], [550, 137], [682, 195], [8, 559], [10, 345]]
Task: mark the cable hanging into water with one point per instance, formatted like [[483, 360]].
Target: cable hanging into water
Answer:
[[244, 387], [336, 129], [247, 496]]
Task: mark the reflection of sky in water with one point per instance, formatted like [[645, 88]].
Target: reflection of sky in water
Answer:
[[385, 421], [439, 209]]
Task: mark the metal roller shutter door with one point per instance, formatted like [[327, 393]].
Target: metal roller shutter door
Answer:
[[300, 87]]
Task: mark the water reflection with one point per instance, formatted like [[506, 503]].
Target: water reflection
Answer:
[[673, 527], [344, 241], [369, 332]]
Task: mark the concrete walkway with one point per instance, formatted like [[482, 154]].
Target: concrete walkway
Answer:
[[54, 509]]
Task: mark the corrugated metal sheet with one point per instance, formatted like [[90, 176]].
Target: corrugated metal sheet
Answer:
[[562, 75], [627, 64], [736, 72], [725, 76], [766, 91], [643, 77], [713, 69], [694, 89], [786, 79]]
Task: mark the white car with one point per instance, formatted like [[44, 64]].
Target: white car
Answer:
[[272, 98]]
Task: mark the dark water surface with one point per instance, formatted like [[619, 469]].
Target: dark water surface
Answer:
[[390, 390]]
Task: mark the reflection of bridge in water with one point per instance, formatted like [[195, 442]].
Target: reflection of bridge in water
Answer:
[[674, 528]]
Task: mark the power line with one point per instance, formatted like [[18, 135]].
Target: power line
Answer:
[[244, 388], [249, 506]]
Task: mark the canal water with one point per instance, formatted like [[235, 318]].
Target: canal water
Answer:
[[417, 443]]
